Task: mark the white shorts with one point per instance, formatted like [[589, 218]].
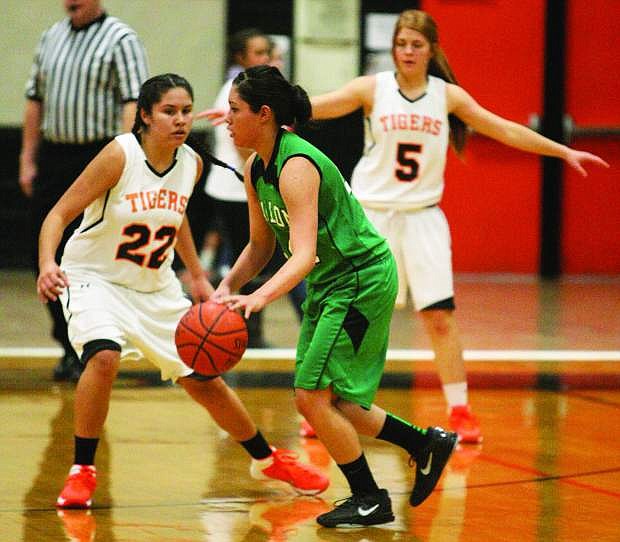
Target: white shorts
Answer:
[[421, 243], [143, 324]]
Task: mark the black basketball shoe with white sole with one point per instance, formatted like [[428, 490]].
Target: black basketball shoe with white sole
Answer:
[[430, 463], [360, 510]]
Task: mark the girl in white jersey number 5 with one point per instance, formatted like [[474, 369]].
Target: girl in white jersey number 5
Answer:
[[412, 115]]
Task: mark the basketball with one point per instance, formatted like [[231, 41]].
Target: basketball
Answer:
[[210, 338]]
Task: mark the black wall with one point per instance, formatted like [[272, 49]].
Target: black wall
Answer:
[[14, 206]]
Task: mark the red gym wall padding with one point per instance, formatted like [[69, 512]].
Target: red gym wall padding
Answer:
[[591, 221], [493, 198]]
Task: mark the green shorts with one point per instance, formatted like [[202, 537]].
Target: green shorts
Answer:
[[344, 333]]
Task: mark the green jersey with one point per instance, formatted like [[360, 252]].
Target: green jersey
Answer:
[[346, 240]]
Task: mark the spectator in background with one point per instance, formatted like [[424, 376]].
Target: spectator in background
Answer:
[[277, 54], [82, 91], [412, 114], [247, 48]]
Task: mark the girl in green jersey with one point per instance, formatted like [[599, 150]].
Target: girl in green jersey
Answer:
[[297, 197]]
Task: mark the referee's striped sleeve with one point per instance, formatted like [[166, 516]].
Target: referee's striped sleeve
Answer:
[[132, 66], [33, 89]]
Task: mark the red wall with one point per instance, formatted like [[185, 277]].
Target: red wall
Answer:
[[591, 222], [493, 198]]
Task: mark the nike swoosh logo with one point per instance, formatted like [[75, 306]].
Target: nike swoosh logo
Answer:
[[366, 511], [426, 470]]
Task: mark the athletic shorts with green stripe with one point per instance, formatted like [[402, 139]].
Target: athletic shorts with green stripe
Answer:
[[345, 330]]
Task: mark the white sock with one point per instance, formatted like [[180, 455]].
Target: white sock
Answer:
[[257, 466], [455, 394]]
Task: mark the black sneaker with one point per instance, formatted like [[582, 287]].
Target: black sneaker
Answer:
[[360, 510], [430, 463]]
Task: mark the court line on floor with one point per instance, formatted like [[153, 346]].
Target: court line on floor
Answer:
[[392, 354], [593, 399], [539, 477], [568, 479]]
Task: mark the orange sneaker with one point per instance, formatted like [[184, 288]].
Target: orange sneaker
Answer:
[[306, 430], [463, 458], [283, 465], [79, 487], [465, 424], [80, 525]]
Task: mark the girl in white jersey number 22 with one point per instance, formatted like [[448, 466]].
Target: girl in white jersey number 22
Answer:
[[120, 295]]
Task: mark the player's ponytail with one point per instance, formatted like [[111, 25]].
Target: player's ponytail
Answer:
[[438, 66], [302, 109]]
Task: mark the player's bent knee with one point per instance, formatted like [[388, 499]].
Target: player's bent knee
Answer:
[[309, 401], [439, 322], [198, 384], [106, 362]]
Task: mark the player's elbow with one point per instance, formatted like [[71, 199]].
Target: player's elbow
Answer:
[[306, 260]]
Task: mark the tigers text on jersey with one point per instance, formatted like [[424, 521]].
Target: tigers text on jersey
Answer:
[[405, 145], [128, 234], [345, 239]]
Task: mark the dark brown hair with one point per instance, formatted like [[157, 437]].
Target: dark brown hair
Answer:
[[151, 92], [265, 85]]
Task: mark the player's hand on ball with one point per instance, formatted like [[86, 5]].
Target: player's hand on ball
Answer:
[[50, 282], [247, 303], [220, 293]]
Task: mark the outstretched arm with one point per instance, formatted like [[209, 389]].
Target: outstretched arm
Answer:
[[356, 93], [461, 104]]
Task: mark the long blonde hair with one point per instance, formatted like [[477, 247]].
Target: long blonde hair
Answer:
[[438, 66]]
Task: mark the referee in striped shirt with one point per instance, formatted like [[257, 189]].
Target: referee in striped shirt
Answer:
[[82, 91]]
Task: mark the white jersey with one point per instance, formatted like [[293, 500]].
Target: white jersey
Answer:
[[222, 183], [127, 235], [405, 146]]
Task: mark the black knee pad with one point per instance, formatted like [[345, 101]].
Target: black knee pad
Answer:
[[92, 347], [201, 378]]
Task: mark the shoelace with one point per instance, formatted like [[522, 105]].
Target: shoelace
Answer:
[[287, 456], [348, 500], [290, 457]]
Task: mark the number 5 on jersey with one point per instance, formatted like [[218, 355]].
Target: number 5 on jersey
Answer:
[[407, 169]]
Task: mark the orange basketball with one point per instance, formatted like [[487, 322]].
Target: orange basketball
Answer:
[[210, 338]]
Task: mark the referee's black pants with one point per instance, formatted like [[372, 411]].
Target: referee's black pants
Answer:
[[59, 164]]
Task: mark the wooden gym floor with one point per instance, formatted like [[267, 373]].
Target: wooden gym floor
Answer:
[[544, 366]]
